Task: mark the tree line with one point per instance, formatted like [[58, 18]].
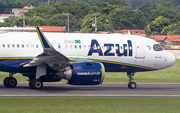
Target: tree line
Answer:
[[128, 3], [111, 16]]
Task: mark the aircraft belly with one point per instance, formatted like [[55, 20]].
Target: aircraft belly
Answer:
[[13, 65], [123, 64]]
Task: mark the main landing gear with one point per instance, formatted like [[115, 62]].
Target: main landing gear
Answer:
[[35, 84], [10, 81], [131, 84]]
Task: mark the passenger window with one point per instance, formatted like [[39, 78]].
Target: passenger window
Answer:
[[27, 46], [79, 46], [70, 46], [66, 46], [13, 46], [36, 46], [8, 45], [157, 47], [59, 46], [22, 45], [84, 46], [17, 45], [3, 45], [75, 46], [32, 46]]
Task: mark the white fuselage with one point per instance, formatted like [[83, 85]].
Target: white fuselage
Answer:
[[117, 49]]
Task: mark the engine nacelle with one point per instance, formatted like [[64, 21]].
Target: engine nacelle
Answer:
[[84, 73]]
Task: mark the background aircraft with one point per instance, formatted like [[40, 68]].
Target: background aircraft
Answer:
[[82, 59]]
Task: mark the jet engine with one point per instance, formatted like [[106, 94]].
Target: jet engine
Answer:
[[84, 73]]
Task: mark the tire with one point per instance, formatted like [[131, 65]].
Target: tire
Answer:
[[30, 83], [5, 82], [129, 85], [133, 85], [37, 84], [10, 82]]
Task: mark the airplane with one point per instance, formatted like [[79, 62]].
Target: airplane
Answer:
[[81, 59]]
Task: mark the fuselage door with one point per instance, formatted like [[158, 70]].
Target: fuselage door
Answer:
[[139, 49]]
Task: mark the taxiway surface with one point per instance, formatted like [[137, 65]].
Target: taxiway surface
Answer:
[[103, 90]]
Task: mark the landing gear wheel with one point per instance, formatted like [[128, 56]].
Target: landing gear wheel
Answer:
[[35, 84], [132, 85], [5, 82], [10, 82], [30, 84]]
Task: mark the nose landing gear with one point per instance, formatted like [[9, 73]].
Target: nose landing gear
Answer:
[[131, 84]]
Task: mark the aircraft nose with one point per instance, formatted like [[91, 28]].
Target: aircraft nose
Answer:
[[170, 59]]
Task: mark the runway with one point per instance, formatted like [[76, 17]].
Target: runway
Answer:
[[103, 90]]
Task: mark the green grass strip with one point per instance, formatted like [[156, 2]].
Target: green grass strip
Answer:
[[89, 105]]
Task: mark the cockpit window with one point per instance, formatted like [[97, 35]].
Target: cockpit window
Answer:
[[157, 47]]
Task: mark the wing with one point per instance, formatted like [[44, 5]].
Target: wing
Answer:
[[50, 56], [54, 59]]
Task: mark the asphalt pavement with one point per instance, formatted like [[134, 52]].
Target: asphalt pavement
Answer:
[[103, 90]]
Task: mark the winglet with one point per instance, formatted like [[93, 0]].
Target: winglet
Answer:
[[44, 42]]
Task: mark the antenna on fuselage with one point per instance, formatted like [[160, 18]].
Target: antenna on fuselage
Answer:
[[129, 33]]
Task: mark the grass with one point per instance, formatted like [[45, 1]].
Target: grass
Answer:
[[169, 75], [89, 105]]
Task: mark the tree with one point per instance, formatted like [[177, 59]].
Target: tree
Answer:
[[80, 9], [57, 20], [104, 23], [177, 29], [34, 3], [165, 11], [105, 7], [157, 25], [19, 21], [9, 22], [75, 23], [42, 11], [62, 7], [95, 8], [146, 9], [37, 21], [148, 30], [2, 8], [127, 18], [167, 4], [169, 29]]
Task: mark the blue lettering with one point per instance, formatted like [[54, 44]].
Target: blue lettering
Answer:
[[124, 53], [95, 48], [107, 52], [130, 47], [127, 49]]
